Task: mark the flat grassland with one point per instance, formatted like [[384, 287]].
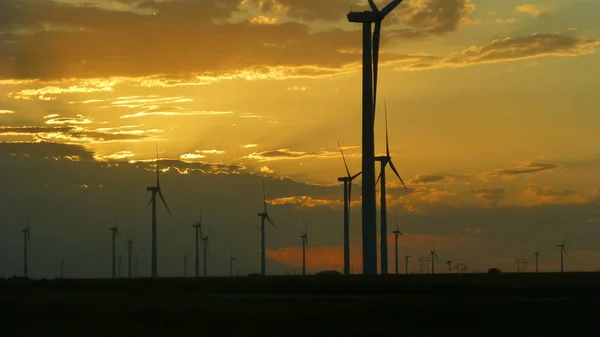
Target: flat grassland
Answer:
[[523, 304]]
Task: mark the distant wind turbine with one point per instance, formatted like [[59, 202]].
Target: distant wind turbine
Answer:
[[433, 255], [231, 259], [537, 259], [26, 243], [264, 215], [115, 232], [385, 160], [396, 234], [129, 254], [197, 226], [205, 248], [369, 98], [406, 257], [563, 249], [347, 203], [304, 237], [156, 190]]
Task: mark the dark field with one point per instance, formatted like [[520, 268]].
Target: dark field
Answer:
[[544, 304]]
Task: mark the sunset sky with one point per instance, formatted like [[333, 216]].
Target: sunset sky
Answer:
[[493, 112]]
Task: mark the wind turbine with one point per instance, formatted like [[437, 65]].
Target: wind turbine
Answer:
[[347, 199], [396, 234], [231, 259], [129, 253], [385, 160], [205, 248], [115, 232], [406, 257], [185, 264], [156, 190], [537, 259], [369, 99], [197, 226], [449, 263], [264, 215], [304, 237], [26, 243], [433, 254], [563, 249]]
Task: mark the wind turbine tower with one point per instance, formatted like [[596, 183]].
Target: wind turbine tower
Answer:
[[537, 259], [304, 237], [156, 190], [347, 200], [264, 215], [205, 248], [185, 264], [115, 232], [433, 255], [563, 250], [406, 257], [369, 99], [231, 259], [396, 234], [197, 227], [129, 254], [385, 160], [26, 242]]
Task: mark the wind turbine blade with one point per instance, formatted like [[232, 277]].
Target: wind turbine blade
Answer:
[[151, 198], [397, 174], [356, 175], [376, 36], [164, 202], [390, 7], [379, 177], [271, 221], [344, 158], [373, 6], [387, 144]]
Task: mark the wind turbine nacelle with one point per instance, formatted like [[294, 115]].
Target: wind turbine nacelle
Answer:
[[362, 17], [343, 179]]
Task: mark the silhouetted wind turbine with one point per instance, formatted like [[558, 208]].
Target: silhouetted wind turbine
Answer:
[[26, 242], [197, 226], [231, 259], [563, 249], [185, 264], [129, 254], [396, 234], [433, 254], [304, 237], [205, 248], [537, 259], [264, 215], [347, 203], [369, 99], [156, 190], [406, 257], [115, 232], [385, 160]]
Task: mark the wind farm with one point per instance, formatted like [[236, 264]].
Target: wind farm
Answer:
[[255, 106]]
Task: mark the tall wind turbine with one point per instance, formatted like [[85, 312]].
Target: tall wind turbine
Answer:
[[369, 99], [433, 255], [396, 234], [304, 237], [197, 227], [26, 243], [347, 199], [406, 257], [385, 160], [231, 259], [264, 215], [537, 259], [156, 190], [129, 254], [205, 248], [115, 232], [563, 249]]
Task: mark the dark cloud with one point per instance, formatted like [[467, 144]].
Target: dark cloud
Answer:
[[436, 16], [71, 134], [494, 195], [514, 49], [528, 168]]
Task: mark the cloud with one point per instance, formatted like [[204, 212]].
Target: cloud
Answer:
[[514, 49], [304, 201], [287, 154], [493, 195], [57, 120], [428, 178], [436, 16], [263, 20], [50, 92], [6, 112], [297, 88], [536, 195], [511, 173], [266, 169], [175, 113], [537, 11], [248, 146]]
